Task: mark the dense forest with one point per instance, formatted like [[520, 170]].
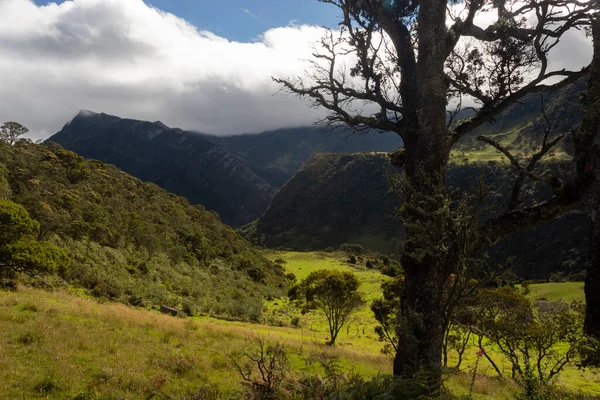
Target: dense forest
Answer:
[[133, 242]]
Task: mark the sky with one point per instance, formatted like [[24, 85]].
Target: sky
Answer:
[[195, 64], [244, 20]]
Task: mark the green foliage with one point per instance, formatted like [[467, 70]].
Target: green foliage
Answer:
[[538, 339], [19, 249], [333, 292], [11, 131], [128, 241], [15, 222], [386, 310]]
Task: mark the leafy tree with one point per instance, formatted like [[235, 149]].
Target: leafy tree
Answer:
[[19, 250], [539, 339], [335, 293], [412, 62], [11, 131]]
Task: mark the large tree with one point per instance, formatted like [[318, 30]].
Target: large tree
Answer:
[[415, 60]]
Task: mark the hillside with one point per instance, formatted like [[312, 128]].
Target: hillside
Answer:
[[134, 242], [339, 199], [181, 162], [521, 126], [277, 155], [335, 199]]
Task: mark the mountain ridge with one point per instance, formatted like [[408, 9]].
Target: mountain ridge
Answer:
[[179, 161]]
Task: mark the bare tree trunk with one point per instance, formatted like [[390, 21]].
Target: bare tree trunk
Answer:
[[591, 123]]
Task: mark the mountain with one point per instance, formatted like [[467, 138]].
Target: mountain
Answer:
[[132, 241], [277, 155], [335, 199], [181, 162], [338, 199]]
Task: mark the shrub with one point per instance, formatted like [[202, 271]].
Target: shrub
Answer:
[[262, 367]]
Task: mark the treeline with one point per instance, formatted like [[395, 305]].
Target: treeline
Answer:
[[133, 242]]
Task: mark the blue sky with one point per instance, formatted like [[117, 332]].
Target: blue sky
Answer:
[[244, 20]]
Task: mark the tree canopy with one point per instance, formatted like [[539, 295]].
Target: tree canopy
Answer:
[[19, 249], [335, 293], [11, 131]]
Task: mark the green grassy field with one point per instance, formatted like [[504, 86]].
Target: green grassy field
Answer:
[[565, 291], [63, 345]]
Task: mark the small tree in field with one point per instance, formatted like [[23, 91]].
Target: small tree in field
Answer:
[[11, 131], [335, 293]]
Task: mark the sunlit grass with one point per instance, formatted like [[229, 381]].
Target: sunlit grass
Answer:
[[565, 291], [61, 345], [56, 345]]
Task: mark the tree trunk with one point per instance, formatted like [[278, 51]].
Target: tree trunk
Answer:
[[592, 280], [427, 260], [591, 123]]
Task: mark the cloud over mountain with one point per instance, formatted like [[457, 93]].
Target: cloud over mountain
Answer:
[[126, 58]]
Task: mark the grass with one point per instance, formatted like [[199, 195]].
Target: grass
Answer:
[[62, 345], [359, 331], [565, 291], [58, 345]]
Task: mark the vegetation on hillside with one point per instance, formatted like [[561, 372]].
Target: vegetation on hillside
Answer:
[[132, 241], [338, 199]]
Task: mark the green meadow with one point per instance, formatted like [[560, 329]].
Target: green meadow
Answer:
[[65, 345]]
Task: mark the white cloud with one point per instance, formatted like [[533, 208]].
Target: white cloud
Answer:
[[250, 13], [126, 58]]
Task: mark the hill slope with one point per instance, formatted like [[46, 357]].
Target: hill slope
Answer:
[[277, 155], [339, 199], [134, 242], [181, 162], [335, 199]]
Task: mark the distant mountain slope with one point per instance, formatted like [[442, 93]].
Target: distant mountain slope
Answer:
[[134, 242], [335, 199], [277, 155], [182, 162], [521, 126], [339, 199]]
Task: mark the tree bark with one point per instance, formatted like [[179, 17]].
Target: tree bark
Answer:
[[426, 261], [592, 279], [591, 125]]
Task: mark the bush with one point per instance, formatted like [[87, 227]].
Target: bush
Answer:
[[295, 322], [263, 368]]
